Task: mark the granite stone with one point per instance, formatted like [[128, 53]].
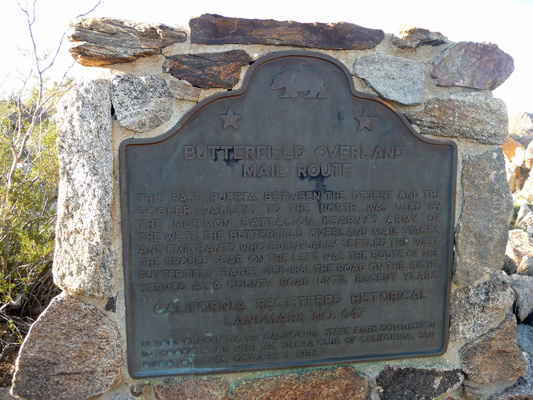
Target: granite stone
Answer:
[[72, 351], [84, 260], [483, 227], [393, 78], [141, 103], [475, 309]]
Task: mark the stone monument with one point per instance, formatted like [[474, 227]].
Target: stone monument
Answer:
[[303, 211]]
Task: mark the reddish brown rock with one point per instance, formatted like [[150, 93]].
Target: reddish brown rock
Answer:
[[495, 357], [208, 70], [104, 41], [216, 29], [410, 37], [198, 389], [71, 352], [339, 384], [473, 65]]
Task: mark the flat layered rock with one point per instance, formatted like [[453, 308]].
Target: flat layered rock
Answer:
[[465, 116], [216, 29], [96, 42], [208, 70]]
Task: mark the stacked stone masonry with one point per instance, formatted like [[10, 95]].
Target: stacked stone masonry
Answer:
[[149, 77]]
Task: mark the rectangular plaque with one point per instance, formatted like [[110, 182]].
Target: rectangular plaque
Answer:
[[292, 222]]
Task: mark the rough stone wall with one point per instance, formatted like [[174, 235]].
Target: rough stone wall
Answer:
[[149, 76]]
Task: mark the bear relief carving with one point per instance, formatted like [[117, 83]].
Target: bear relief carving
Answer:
[[294, 82]]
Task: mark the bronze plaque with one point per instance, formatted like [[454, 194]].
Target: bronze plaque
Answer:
[[292, 222]]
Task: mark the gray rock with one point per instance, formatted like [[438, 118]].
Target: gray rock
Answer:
[[473, 65], [394, 78], [523, 287], [509, 266], [472, 116], [83, 259], [410, 37], [483, 227], [106, 41], [476, 309], [395, 383], [72, 351], [480, 363], [524, 338], [523, 140], [141, 103], [183, 90], [518, 246]]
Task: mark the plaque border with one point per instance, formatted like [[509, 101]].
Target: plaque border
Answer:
[[125, 229]]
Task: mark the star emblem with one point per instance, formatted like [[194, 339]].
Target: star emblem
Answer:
[[365, 121], [230, 119]]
